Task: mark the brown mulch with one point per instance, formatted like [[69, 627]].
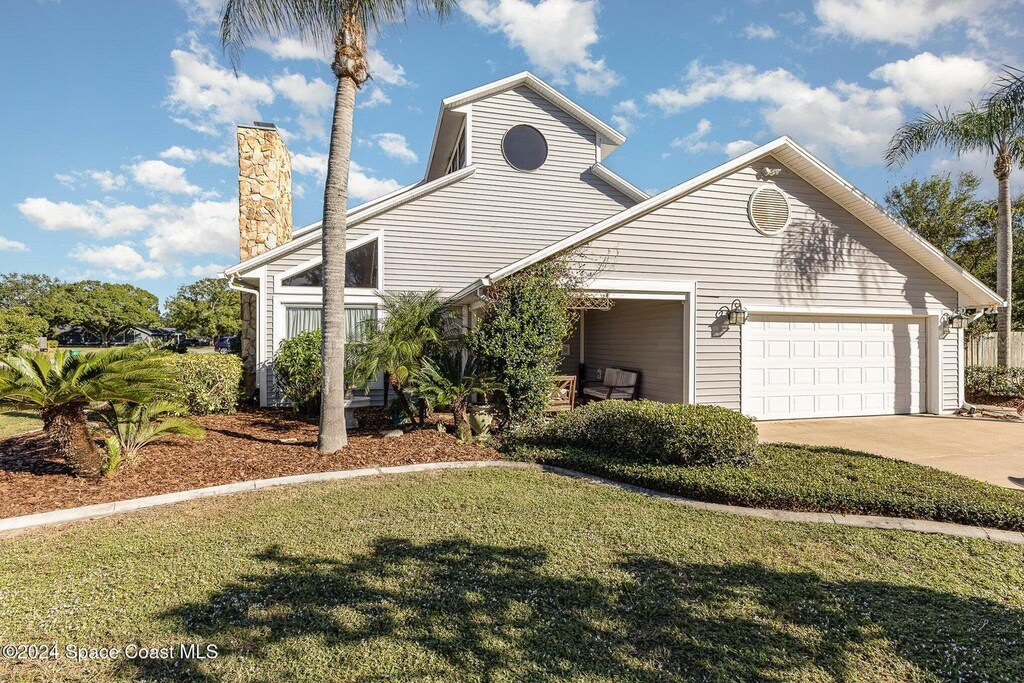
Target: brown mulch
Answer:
[[252, 444], [1001, 401]]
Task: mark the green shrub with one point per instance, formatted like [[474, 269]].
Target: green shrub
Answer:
[[649, 431], [208, 382], [299, 370], [994, 381]]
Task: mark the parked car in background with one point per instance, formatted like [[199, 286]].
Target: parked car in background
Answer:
[[228, 344]]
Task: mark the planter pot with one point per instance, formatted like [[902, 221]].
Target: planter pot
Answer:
[[480, 420]]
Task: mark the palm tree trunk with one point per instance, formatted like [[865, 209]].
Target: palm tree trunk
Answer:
[[403, 399], [68, 431], [1004, 259]]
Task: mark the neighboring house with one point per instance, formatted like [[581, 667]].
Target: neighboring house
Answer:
[[78, 336], [849, 311]]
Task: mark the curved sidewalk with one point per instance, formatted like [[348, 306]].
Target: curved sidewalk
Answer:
[[861, 521]]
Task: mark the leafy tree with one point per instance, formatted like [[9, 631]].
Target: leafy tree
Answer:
[[207, 307], [995, 127], [63, 386], [340, 26], [24, 289], [103, 308], [415, 326], [18, 328], [938, 209], [520, 335]]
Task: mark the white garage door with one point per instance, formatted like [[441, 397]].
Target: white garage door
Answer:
[[833, 366]]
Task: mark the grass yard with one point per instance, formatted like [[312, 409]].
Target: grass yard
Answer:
[[497, 575], [812, 478], [12, 424]]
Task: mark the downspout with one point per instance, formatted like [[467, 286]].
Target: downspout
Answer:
[[241, 288]]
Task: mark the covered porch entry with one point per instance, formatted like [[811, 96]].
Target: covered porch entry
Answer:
[[641, 326]]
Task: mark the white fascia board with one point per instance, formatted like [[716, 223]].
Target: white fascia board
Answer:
[[356, 216], [612, 137], [619, 183]]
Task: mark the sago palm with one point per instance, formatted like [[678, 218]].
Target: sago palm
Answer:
[[995, 128], [340, 26], [414, 325], [133, 426], [61, 387], [453, 381]]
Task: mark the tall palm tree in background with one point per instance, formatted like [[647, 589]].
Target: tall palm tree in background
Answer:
[[995, 127], [340, 26]]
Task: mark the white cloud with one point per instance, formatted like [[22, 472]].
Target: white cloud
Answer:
[[93, 217], [624, 114], [312, 96], [364, 187], [375, 97], [928, 81], [203, 227], [207, 270], [845, 118], [383, 70], [738, 147], [118, 262], [759, 32], [292, 48], [556, 35], [203, 11], [905, 22], [396, 146], [7, 244], [178, 153], [695, 142], [207, 96], [310, 164], [163, 177], [107, 181]]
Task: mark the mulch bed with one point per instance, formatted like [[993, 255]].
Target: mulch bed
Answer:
[[252, 444]]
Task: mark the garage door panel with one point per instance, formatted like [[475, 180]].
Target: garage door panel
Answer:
[[818, 367]]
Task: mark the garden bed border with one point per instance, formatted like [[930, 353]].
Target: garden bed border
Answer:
[[41, 519]]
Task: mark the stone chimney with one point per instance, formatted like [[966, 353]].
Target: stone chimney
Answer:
[[264, 217]]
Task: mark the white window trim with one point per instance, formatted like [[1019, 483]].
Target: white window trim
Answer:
[[280, 288]]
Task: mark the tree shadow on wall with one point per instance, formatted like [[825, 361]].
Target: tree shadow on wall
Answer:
[[489, 612]]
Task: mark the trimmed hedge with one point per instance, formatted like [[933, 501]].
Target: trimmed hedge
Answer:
[[994, 381], [811, 479], [649, 431], [208, 382]]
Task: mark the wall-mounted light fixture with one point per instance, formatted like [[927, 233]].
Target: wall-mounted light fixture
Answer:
[[735, 314], [954, 320]]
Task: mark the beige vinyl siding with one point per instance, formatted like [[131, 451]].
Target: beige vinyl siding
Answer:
[[825, 258], [642, 335], [497, 215]]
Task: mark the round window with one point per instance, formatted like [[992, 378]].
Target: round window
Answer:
[[525, 148]]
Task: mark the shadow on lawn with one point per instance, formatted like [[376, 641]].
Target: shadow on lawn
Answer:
[[492, 612]]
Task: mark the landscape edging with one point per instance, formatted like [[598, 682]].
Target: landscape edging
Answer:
[[40, 519]]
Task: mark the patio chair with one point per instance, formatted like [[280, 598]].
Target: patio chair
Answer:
[[618, 383], [563, 394]]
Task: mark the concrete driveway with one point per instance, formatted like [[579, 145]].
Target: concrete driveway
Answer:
[[990, 450]]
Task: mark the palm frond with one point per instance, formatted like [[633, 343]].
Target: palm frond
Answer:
[[960, 132]]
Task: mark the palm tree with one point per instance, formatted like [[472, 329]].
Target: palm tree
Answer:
[[452, 381], [997, 128], [416, 325], [340, 26], [62, 387], [133, 426]]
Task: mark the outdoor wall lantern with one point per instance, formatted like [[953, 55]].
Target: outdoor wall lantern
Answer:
[[736, 314], [954, 320]]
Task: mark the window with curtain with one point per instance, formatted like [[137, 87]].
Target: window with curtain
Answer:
[[360, 270], [306, 318]]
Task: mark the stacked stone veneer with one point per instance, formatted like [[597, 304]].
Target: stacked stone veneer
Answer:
[[264, 217]]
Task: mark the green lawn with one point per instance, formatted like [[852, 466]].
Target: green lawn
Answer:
[[12, 424], [498, 575], [809, 478]]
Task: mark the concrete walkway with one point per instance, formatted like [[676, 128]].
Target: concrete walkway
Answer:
[[14, 524], [989, 450]]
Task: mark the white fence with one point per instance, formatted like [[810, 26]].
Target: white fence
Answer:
[[982, 350]]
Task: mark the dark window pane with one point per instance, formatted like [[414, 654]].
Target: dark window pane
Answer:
[[525, 148], [360, 270]]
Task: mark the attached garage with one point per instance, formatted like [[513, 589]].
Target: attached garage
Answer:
[[818, 366]]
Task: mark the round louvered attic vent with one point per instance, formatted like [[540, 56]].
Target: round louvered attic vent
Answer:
[[768, 209]]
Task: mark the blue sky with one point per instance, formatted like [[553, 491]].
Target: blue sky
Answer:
[[119, 116]]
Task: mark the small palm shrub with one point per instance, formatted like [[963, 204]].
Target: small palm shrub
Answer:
[[651, 432], [62, 386], [207, 382], [299, 370], [1004, 382], [450, 381], [133, 426]]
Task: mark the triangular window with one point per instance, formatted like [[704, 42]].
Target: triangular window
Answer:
[[360, 270]]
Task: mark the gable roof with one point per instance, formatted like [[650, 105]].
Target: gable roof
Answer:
[[817, 174]]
